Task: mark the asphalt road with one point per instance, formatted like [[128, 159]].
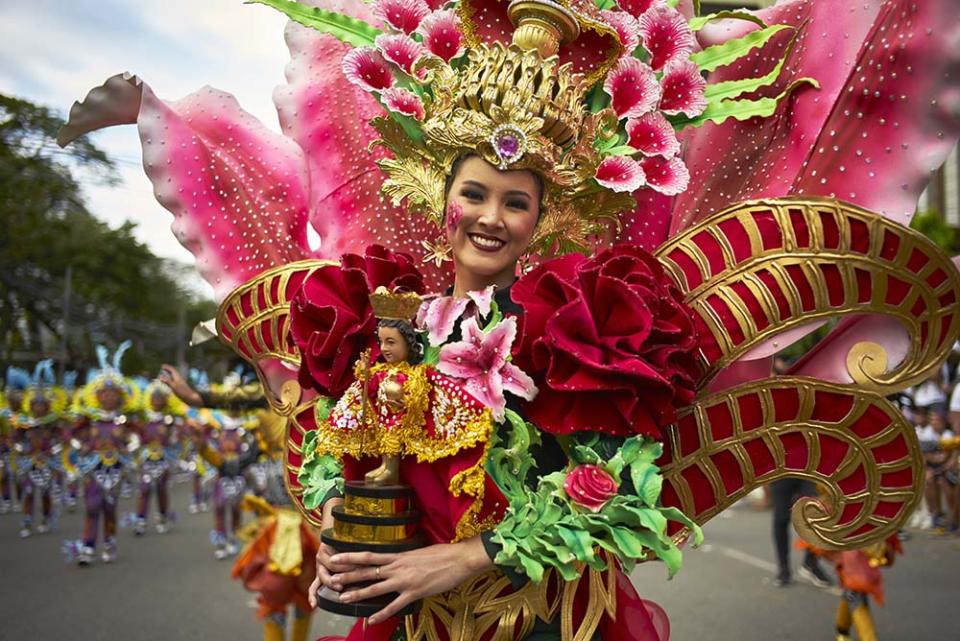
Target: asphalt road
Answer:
[[170, 587]]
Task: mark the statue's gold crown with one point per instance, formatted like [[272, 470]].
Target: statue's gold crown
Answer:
[[395, 305]]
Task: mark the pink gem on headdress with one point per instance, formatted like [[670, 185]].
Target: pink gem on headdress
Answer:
[[509, 143]]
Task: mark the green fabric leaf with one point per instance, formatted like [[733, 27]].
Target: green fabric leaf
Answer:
[[744, 109], [531, 567], [350, 30], [733, 88], [578, 541], [621, 150], [584, 455], [698, 23], [730, 51]]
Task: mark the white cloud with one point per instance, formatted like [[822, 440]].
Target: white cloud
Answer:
[[60, 51]]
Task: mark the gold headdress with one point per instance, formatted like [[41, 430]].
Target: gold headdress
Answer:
[[517, 107], [588, 99]]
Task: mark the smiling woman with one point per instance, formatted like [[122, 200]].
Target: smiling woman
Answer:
[[491, 219]]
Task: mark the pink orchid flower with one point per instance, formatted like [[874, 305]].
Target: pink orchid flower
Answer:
[[442, 313], [480, 360]]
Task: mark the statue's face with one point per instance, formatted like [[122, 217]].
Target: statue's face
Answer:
[[109, 398], [393, 347], [158, 401], [499, 215]]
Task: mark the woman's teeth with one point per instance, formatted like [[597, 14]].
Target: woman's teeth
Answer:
[[485, 242]]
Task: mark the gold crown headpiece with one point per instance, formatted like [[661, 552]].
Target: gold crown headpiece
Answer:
[[395, 305], [526, 93]]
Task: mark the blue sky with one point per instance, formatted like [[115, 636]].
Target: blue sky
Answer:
[[54, 51]]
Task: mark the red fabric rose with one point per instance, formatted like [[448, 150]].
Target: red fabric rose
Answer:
[[590, 486], [331, 320], [609, 342]]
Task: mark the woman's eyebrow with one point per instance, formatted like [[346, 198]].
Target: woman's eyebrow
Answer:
[[518, 192], [474, 183]]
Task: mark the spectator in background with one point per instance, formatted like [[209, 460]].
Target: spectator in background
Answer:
[[932, 393], [941, 472], [784, 493]]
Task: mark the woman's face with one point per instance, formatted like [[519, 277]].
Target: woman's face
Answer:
[[491, 217], [109, 398], [393, 347]]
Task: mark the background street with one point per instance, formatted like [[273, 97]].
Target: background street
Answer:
[[170, 587]]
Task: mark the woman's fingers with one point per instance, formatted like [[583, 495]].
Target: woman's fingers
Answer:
[[392, 608], [379, 588], [362, 558], [359, 575], [312, 591]]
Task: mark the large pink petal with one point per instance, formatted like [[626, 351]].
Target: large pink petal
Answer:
[[885, 116], [483, 299], [496, 345], [328, 117], [237, 190], [488, 389]]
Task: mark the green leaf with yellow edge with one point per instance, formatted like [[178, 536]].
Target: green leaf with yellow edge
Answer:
[[732, 50], [350, 30], [733, 88], [743, 109], [698, 23]]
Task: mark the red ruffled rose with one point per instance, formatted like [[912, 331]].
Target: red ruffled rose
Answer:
[[590, 486], [609, 342], [331, 320]]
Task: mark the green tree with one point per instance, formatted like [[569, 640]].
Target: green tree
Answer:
[[119, 288]]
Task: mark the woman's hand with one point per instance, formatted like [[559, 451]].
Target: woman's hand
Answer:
[[325, 567], [414, 575]]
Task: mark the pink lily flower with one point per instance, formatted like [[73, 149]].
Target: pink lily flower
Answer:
[[480, 361]]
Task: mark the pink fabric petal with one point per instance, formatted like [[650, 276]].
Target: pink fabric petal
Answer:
[[211, 164], [400, 49], [460, 361], [488, 389], [683, 88], [884, 115], [441, 34], [669, 176], [402, 15], [620, 173], [367, 69], [665, 35], [483, 299], [632, 87], [441, 316], [328, 117], [518, 383], [628, 29], [403, 101], [653, 135], [497, 343]]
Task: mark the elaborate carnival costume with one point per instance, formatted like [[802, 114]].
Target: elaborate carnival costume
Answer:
[[202, 476], [15, 386], [38, 433], [159, 428], [107, 404], [656, 408]]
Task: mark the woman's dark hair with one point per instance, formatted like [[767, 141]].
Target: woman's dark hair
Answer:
[[455, 169], [409, 334]]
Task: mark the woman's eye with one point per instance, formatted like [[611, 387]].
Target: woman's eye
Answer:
[[518, 204], [472, 194]]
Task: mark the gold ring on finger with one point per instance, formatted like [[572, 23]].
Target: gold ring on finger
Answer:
[[378, 573]]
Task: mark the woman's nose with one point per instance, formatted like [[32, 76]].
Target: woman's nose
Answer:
[[491, 215]]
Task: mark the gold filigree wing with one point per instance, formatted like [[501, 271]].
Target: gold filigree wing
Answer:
[[762, 268], [856, 446]]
